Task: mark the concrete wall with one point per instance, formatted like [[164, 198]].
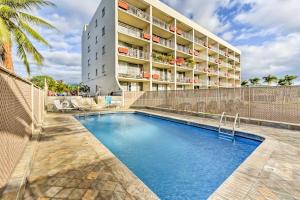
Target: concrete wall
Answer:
[[22, 112], [105, 81]]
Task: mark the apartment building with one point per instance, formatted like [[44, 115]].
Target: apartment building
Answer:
[[144, 45]]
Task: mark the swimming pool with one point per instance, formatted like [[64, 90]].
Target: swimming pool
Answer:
[[176, 161]]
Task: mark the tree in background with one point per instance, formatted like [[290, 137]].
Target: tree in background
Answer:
[[290, 79], [245, 83], [254, 81], [270, 79], [40, 82], [17, 26]]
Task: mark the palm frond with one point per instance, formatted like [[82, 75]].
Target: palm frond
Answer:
[[21, 39], [35, 20], [26, 4], [33, 33]]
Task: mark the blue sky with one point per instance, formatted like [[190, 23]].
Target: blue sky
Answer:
[[267, 32]]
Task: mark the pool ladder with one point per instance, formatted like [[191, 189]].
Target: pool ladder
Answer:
[[228, 134]]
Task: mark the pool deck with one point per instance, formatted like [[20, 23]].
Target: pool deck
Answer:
[[71, 164]]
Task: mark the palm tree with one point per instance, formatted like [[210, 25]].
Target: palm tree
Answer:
[[245, 83], [254, 81], [16, 27], [282, 82], [270, 79], [290, 79]]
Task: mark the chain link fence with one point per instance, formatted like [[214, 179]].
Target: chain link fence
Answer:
[[265, 103]]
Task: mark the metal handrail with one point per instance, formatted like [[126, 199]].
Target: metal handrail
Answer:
[[237, 119], [221, 120]]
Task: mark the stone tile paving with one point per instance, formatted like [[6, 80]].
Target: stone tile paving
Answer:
[[72, 164], [271, 172]]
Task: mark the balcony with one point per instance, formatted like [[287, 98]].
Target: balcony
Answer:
[[213, 60], [213, 72], [132, 32], [201, 68], [230, 66], [185, 35], [134, 76], [163, 25], [162, 61], [200, 55], [213, 83], [127, 52], [132, 10], [221, 52], [157, 77], [183, 65], [163, 42], [200, 82], [213, 48], [184, 49], [200, 42], [223, 74], [184, 80]]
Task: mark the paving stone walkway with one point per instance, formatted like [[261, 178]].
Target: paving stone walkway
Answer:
[[271, 172], [72, 164]]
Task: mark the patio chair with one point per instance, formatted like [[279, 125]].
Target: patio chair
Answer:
[[76, 105], [59, 106]]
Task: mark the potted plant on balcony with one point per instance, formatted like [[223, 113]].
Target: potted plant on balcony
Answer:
[[191, 63], [179, 61], [172, 28], [178, 31], [171, 59], [156, 39], [123, 5], [191, 52], [196, 53], [146, 75], [155, 76], [147, 36], [123, 50]]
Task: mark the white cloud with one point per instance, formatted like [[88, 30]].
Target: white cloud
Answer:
[[280, 14], [203, 12], [279, 57]]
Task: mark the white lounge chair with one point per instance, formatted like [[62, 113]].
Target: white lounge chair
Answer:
[[59, 106], [76, 105]]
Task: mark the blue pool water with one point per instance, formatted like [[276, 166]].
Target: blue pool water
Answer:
[[174, 160]]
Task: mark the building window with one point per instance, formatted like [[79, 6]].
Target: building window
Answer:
[[89, 35], [96, 55], [103, 30], [103, 12], [89, 62], [88, 75], [96, 39], [103, 69], [89, 49], [96, 23], [96, 72], [103, 50]]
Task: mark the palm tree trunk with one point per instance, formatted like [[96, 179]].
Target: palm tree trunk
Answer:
[[7, 58]]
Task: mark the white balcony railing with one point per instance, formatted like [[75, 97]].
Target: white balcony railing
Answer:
[[135, 53], [200, 41], [200, 68], [187, 36], [183, 49], [129, 30], [137, 12], [184, 80], [166, 43], [160, 23]]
